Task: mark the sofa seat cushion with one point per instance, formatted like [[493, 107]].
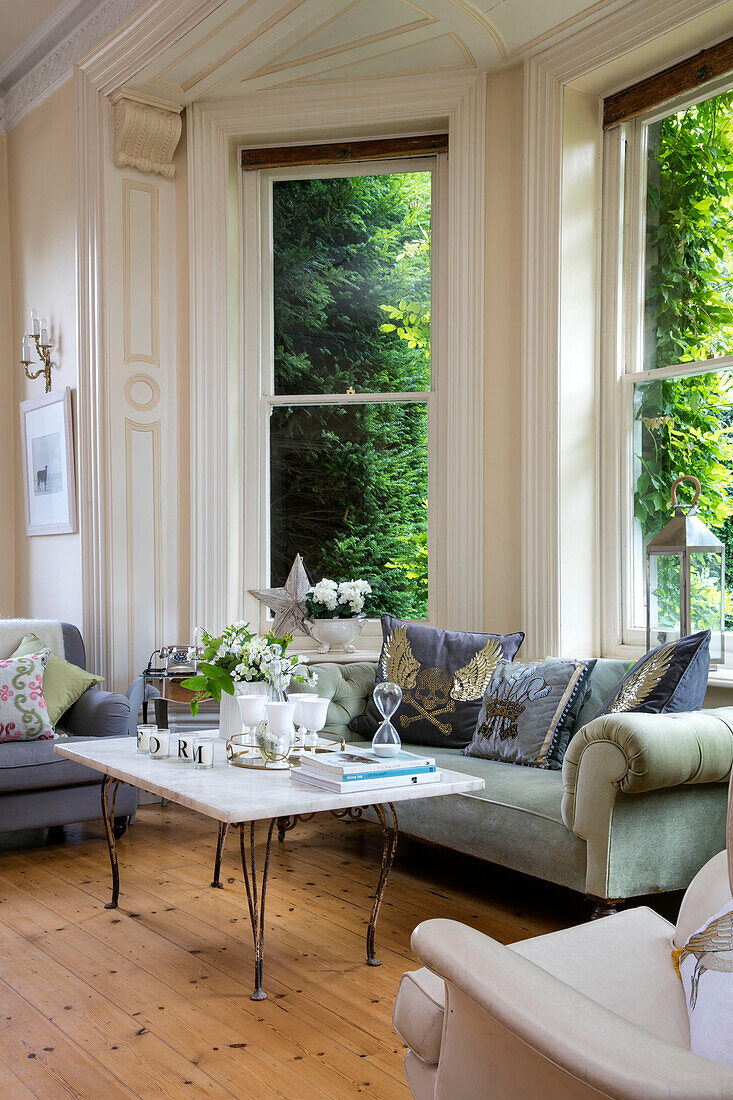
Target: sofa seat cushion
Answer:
[[33, 765], [418, 1012], [515, 821], [537, 792], [623, 962]]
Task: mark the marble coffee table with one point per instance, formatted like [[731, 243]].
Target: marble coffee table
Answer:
[[239, 797]]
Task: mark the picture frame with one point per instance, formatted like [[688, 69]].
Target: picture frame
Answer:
[[49, 481]]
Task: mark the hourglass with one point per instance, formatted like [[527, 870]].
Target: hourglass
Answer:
[[387, 698]]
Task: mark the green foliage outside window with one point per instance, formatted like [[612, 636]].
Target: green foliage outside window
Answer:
[[348, 482], [685, 424]]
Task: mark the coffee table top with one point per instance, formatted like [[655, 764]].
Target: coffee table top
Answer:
[[236, 794]]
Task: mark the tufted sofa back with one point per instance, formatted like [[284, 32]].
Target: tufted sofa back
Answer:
[[348, 687]]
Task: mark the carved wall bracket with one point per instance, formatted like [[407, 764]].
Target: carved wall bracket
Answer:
[[146, 136]]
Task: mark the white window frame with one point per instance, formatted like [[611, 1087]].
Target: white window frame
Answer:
[[622, 366], [258, 390]]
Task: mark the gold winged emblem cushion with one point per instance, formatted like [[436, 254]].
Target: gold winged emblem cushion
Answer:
[[443, 675], [705, 966], [669, 679], [528, 712]]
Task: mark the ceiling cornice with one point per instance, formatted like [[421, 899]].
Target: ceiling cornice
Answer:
[[57, 65]]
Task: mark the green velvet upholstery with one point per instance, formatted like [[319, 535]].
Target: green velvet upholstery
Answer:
[[639, 806], [348, 687]]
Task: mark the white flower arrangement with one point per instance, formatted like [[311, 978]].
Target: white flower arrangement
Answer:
[[238, 656], [337, 600]]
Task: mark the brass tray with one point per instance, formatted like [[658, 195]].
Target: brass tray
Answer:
[[244, 752]]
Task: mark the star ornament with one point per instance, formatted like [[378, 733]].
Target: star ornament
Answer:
[[287, 603]]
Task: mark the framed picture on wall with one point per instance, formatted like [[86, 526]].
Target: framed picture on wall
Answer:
[[47, 440]]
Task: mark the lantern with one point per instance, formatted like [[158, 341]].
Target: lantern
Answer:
[[685, 579]]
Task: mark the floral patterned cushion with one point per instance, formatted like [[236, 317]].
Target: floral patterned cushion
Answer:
[[23, 713]]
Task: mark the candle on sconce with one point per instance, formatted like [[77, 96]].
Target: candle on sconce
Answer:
[[44, 332], [35, 323], [25, 349]]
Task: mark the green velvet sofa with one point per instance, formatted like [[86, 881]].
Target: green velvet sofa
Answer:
[[638, 808]]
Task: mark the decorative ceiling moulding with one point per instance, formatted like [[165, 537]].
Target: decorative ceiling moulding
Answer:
[[58, 65], [259, 45], [145, 136]]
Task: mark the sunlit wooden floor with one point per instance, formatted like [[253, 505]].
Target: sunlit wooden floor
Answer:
[[152, 999]]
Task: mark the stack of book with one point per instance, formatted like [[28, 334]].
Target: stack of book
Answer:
[[363, 770]]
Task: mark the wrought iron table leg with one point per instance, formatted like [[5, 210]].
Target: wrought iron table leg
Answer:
[[109, 794], [389, 846], [285, 824], [255, 899], [223, 830]]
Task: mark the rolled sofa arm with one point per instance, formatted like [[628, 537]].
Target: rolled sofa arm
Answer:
[[98, 713], [633, 753], [495, 995]]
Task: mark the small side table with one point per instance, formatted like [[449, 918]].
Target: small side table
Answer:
[[170, 690]]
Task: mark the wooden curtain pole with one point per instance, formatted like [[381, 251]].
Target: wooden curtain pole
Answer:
[[683, 77], [288, 156]]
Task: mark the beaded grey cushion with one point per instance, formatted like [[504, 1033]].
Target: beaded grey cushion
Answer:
[[528, 711]]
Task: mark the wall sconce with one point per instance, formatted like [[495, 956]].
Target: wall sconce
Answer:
[[39, 334]]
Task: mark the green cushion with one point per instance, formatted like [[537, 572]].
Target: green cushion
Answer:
[[607, 674], [63, 683]]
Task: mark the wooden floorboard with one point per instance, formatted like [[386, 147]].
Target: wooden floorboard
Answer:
[[152, 999]]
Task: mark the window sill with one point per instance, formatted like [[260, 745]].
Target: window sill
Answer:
[[341, 658], [721, 678]]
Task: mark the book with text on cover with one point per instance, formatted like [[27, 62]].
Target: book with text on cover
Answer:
[[351, 761]]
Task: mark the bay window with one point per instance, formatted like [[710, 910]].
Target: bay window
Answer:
[[674, 354]]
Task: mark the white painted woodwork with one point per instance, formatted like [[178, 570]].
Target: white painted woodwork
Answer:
[[226, 335], [111, 390]]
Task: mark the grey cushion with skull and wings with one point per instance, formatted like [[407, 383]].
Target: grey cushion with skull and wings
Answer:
[[528, 712], [443, 675]]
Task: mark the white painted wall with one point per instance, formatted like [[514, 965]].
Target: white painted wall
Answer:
[[7, 420], [42, 216], [578, 390]]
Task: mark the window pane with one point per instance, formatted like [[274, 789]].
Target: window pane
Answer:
[[351, 258], [689, 235], [348, 490], [683, 426]]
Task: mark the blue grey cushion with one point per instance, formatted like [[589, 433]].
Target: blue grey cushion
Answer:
[[442, 673], [528, 711], [672, 678]]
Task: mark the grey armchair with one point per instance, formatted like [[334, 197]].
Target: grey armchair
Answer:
[[39, 789]]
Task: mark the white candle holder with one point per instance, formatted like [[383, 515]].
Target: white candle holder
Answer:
[[143, 737], [160, 743], [203, 752]]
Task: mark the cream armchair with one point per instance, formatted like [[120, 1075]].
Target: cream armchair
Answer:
[[591, 1011]]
